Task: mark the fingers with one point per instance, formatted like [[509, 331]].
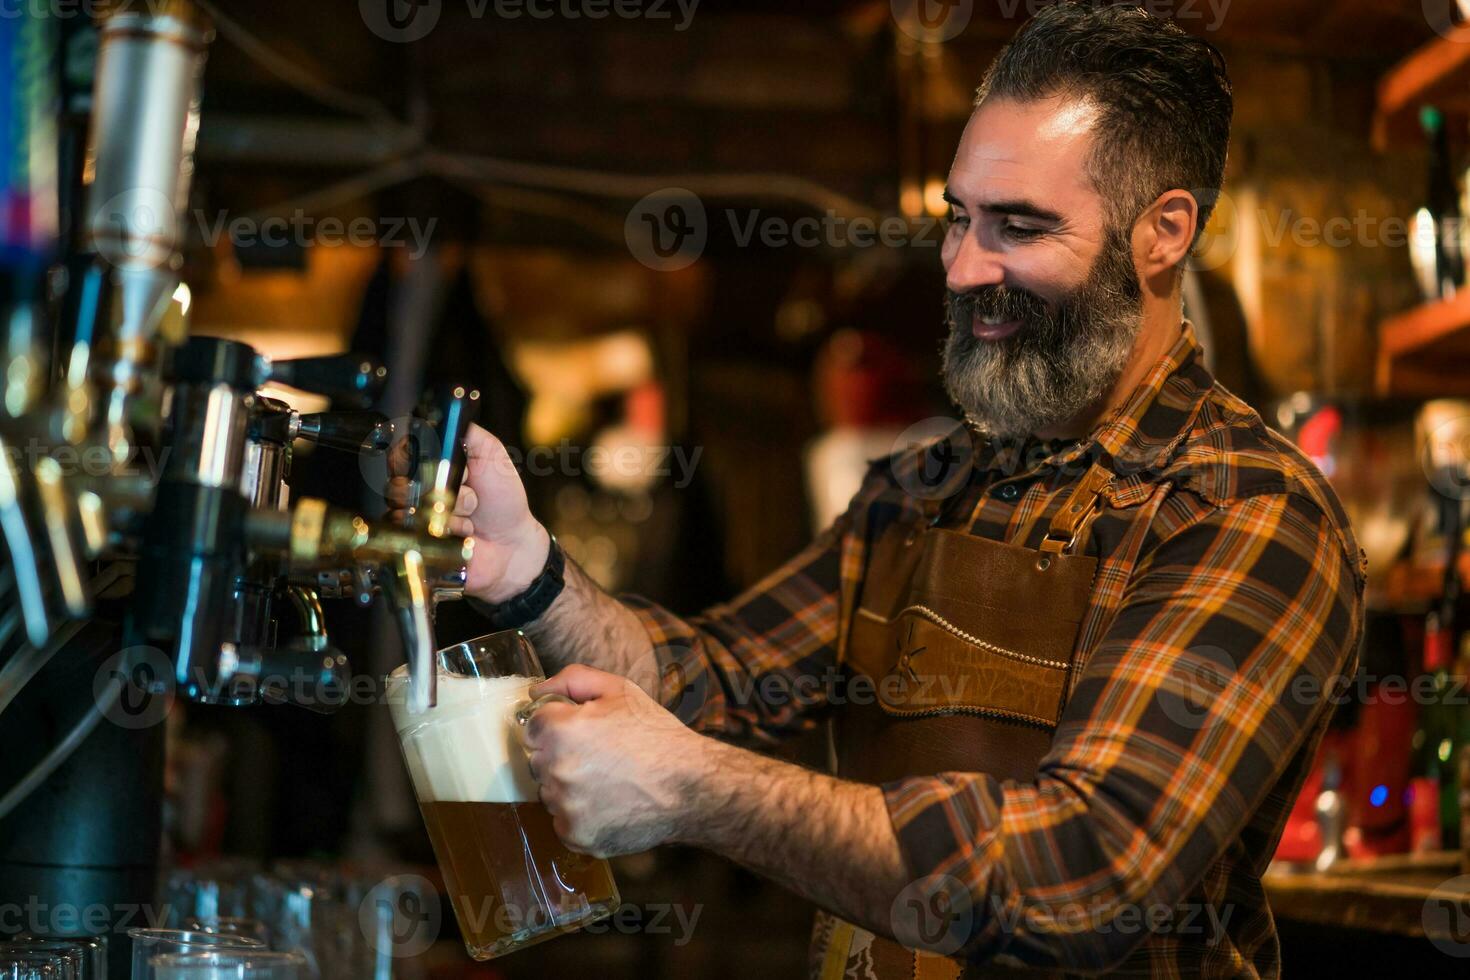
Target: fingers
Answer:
[[479, 443], [485, 456], [580, 683]]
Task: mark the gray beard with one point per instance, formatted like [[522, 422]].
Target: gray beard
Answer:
[[1062, 359]]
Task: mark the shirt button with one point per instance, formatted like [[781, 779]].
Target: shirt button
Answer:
[[1008, 492]]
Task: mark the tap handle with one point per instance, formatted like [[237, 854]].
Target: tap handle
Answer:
[[442, 462], [408, 591], [349, 431], [349, 378]]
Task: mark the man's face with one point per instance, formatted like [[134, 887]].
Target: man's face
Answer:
[[1043, 302]]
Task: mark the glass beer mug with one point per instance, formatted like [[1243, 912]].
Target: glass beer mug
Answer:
[[510, 879]]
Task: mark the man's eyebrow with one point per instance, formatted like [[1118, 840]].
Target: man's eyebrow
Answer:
[[1024, 209]]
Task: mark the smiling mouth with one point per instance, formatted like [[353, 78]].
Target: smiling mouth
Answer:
[[986, 328]]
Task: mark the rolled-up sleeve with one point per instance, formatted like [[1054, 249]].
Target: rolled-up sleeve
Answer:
[[1217, 670]]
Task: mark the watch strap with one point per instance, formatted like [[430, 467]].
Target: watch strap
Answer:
[[531, 604]]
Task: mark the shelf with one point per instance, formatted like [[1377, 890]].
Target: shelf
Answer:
[[1386, 894], [1425, 352], [1436, 74]]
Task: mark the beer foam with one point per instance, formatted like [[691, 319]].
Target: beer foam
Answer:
[[465, 749]]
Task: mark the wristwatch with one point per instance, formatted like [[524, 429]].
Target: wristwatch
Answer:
[[537, 597]]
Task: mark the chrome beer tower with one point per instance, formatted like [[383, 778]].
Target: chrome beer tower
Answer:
[[199, 560]]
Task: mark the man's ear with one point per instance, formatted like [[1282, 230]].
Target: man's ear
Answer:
[[1165, 232]]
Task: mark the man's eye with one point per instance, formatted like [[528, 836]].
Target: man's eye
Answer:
[[1021, 233], [959, 220]]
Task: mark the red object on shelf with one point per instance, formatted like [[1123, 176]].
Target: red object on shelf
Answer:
[[1378, 812], [1301, 841]]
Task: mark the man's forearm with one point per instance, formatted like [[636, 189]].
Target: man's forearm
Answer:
[[826, 839], [585, 625]]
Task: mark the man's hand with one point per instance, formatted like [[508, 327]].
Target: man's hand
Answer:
[[510, 544], [614, 768], [620, 774]]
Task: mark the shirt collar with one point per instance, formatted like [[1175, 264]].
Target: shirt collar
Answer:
[[1140, 434]]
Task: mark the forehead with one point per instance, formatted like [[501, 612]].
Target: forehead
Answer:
[[1033, 150]]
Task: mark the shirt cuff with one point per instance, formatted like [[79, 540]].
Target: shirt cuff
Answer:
[[681, 670]]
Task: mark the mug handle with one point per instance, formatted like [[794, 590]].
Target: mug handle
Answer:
[[528, 708]]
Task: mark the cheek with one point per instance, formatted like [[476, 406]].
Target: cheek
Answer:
[[1051, 274]]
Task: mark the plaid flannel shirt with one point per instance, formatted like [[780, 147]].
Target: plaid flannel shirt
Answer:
[[1226, 603]]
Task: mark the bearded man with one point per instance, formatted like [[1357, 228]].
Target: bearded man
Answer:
[[1072, 654]]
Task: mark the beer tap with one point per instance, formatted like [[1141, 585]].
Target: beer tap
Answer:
[[348, 431], [439, 468], [349, 380], [225, 560], [226, 539], [341, 552]]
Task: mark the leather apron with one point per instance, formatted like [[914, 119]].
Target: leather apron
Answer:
[[968, 646]]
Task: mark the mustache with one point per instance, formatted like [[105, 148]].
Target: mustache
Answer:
[[993, 303]]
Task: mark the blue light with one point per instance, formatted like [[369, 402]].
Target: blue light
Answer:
[[1379, 796]]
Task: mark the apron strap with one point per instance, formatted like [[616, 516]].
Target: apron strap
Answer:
[[1071, 521]]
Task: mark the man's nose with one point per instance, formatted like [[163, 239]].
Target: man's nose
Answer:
[[973, 266]]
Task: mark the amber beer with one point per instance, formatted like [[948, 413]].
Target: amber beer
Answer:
[[510, 879]]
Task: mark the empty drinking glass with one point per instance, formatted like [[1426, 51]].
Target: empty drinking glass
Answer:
[[149, 944], [93, 949], [233, 965], [233, 925], [34, 966], [71, 958]]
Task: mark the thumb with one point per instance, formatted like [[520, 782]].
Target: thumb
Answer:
[[580, 683]]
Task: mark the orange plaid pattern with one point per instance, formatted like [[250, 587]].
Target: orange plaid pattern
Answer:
[[1227, 603]]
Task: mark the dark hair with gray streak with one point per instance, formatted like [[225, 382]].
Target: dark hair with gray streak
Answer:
[[1164, 99]]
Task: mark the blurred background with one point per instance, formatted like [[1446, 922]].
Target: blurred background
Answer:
[[690, 256]]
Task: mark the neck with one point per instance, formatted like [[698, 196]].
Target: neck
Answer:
[[1158, 333]]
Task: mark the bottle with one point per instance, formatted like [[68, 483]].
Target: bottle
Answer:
[[1433, 782], [1434, 240]]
